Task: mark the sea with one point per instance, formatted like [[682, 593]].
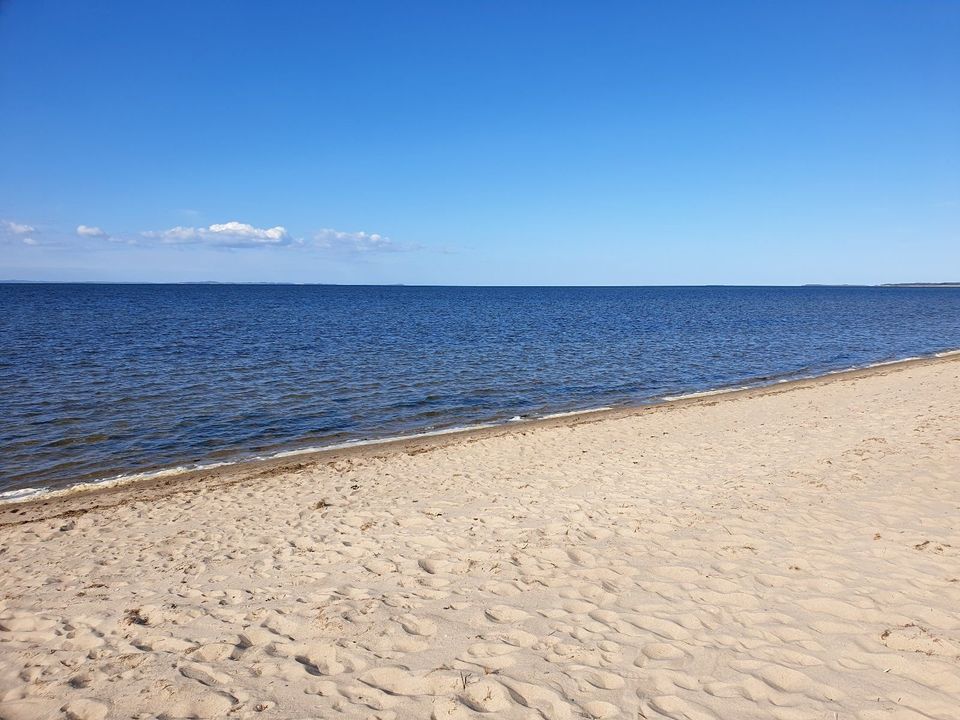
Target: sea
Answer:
[[100, 382]]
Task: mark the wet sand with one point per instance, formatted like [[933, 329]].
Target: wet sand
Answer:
[[787, 552]]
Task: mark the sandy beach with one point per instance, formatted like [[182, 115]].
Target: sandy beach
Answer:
[[790, 552]]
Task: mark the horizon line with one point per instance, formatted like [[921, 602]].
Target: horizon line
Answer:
[[919, 284]]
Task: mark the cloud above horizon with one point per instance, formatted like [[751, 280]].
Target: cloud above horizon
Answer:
[[20, 231], [231, 234], [88, 231], [358, 242], [15, 228], [238, 235]]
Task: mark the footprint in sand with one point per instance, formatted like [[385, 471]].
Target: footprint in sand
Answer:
[[505, 614], [400, 681], [417, 625], [485, 696], [490, 655], [600, 710]]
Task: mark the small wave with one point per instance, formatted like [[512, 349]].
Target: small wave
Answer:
[[370, 441], [25, 494], [708, 393], [21, 494], [569, 413], [791, 377]]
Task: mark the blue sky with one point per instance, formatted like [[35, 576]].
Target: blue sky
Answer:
[[480, 142]]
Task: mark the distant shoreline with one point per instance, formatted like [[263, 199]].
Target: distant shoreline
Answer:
[[923, 285]]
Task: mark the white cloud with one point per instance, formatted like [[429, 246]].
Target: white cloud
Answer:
[[231, 234], [11, 231], [227, 235], [87, 231], [358, 242], [17, 228]]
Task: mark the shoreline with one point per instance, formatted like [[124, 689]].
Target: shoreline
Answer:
[[782, 552], [84, 496]]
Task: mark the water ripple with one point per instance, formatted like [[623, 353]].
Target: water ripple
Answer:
[[104, 380]]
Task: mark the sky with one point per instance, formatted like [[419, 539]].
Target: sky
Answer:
[[480, 143]]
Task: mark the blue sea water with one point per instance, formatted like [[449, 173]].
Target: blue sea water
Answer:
[[102, 380]]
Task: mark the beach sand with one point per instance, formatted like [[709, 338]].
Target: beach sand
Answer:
[[790, 552]]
